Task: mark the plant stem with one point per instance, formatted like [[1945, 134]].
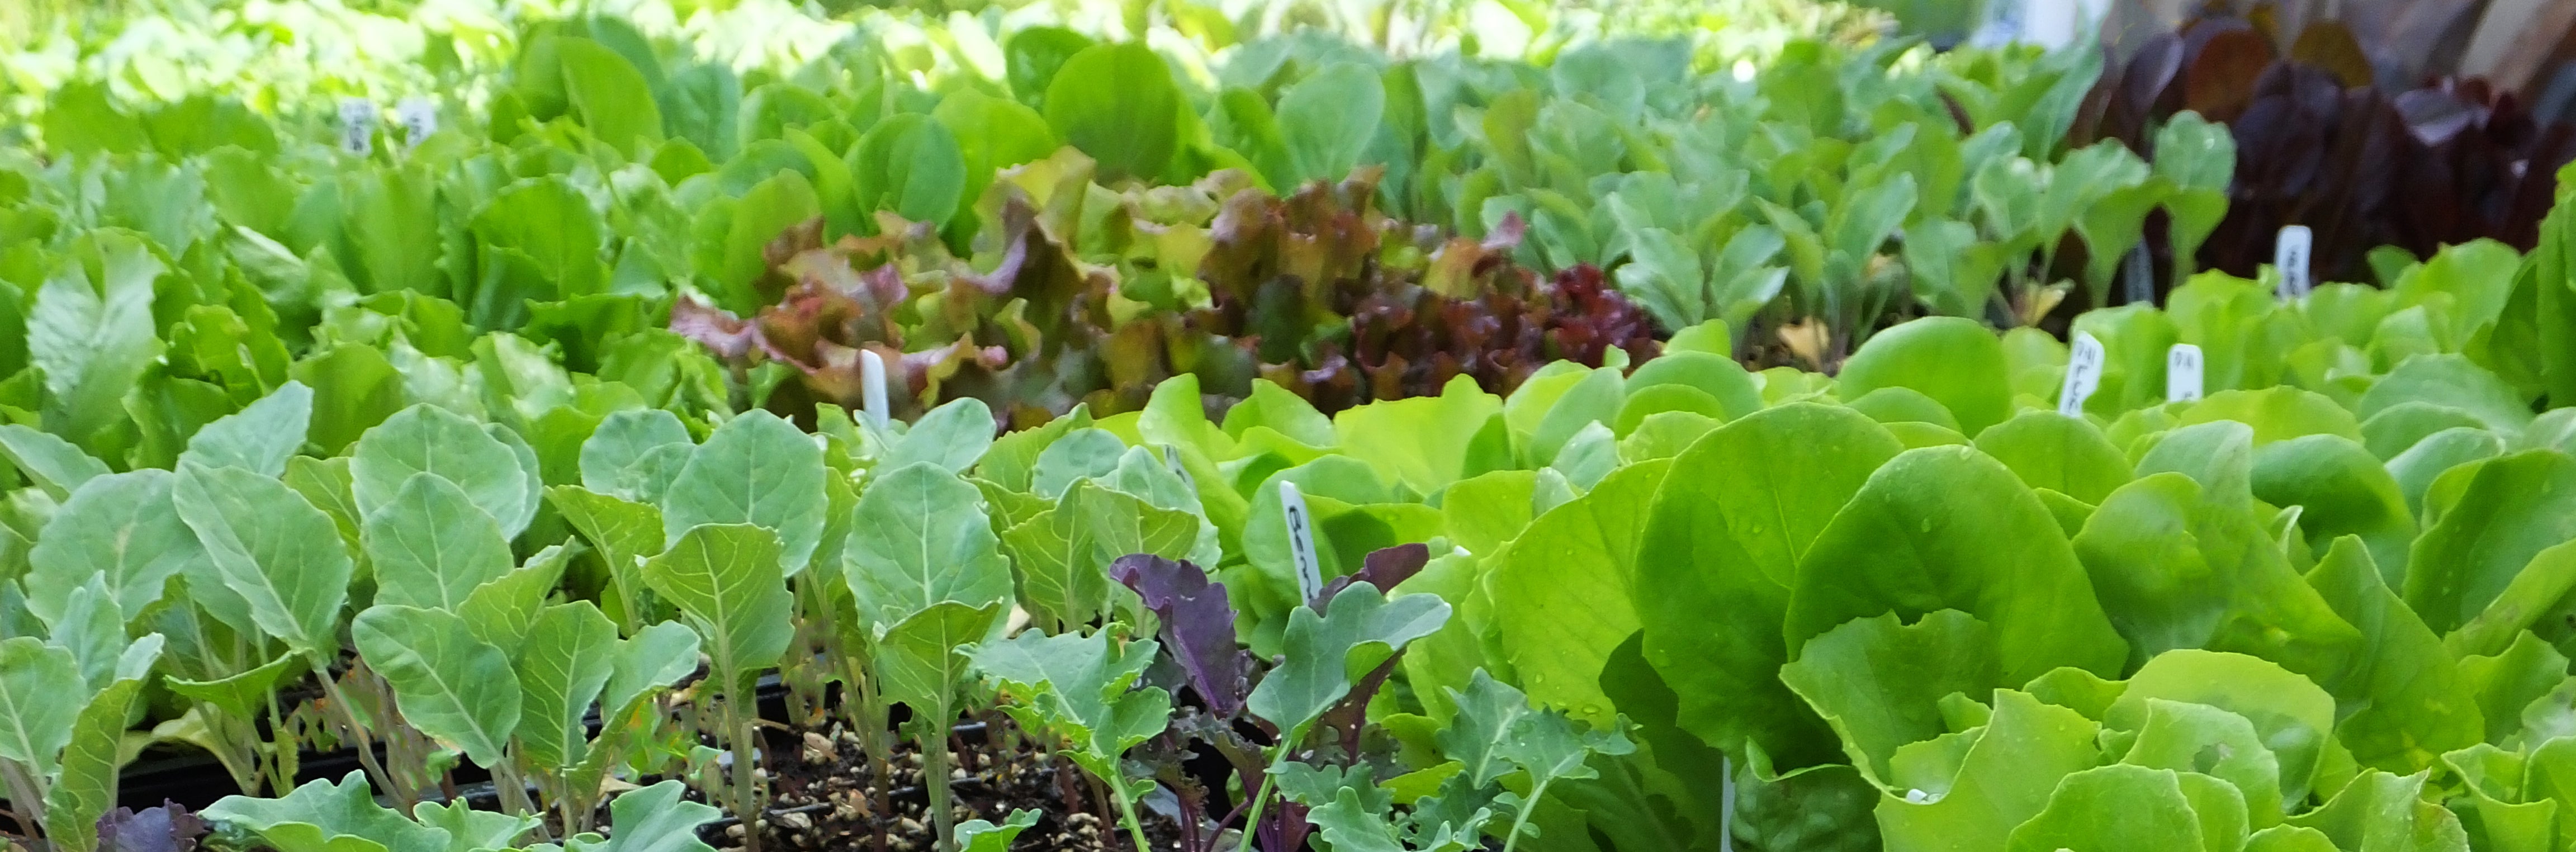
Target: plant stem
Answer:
[[871, 724], [366, 744], [1522, 819], [1127, 809], [745, 779], [1252, 819], [26, 801], [513, 791], [932, 737], [570, 811], [274, 768]]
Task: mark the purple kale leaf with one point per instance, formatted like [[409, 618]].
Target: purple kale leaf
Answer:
[[1198, 626], [1384, 568], [168, 828]]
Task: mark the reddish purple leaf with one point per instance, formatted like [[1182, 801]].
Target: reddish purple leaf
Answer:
[[1197, 629], [168, 828], [1384, 568]]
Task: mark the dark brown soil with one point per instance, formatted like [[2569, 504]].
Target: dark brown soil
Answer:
[[825, 796]]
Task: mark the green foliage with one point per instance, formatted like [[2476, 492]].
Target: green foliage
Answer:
[[565, 393]]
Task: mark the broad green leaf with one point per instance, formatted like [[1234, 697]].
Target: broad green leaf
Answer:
[[449, 684], [1359, 629], [1894, 405], [626, 440], [1418, 439], [2491, 805], [2407, 689], [909, 164], [608, 94], [260, 437], [1664, 275], [2379, 811], [1953, 360], [90, 331], [921, 660], [540, 242], [94, 630], [1082, 688], [2514, 507], [1118, 104], [2059, 453], [1968, 791], [2116, 808], [1561, 592], [2136, 340], [976, 835], [321, 815], [2112, 225], [1279, 410], [2289, 838], [568, 659], [654, 819], [90, 760], [385, 213], [2340, 489], [1080, 454], [244, 694], [123, 527], [2176, 566], [921, 537], [273, 550], [1063, 554], [1593, 397], [430, 546], [2276, 413], [756, 469], [2186, 737], [1012, 460], [2534, 600], [744, 230], [654, 657], [1736, 513], [2294, 716], [1879, 682], [725, 577], [992, 134], [53, 464], [503, 610], [1326, 120], [2451, 381], [625, 531], [1496, 733], [470, 829], [429, 439], [1715, 374], [2510, 682], [1951, 528], [952, 436], [79, 119], [1347, 821], [35, 719], [2219, 455]]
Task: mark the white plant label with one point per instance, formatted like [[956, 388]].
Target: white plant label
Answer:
[[2290, 255], [1172, 460], [419, 117], [1301, 541], [2083, 375], [2141, 275], [357, 122], [872, 386], [2182, 373]]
